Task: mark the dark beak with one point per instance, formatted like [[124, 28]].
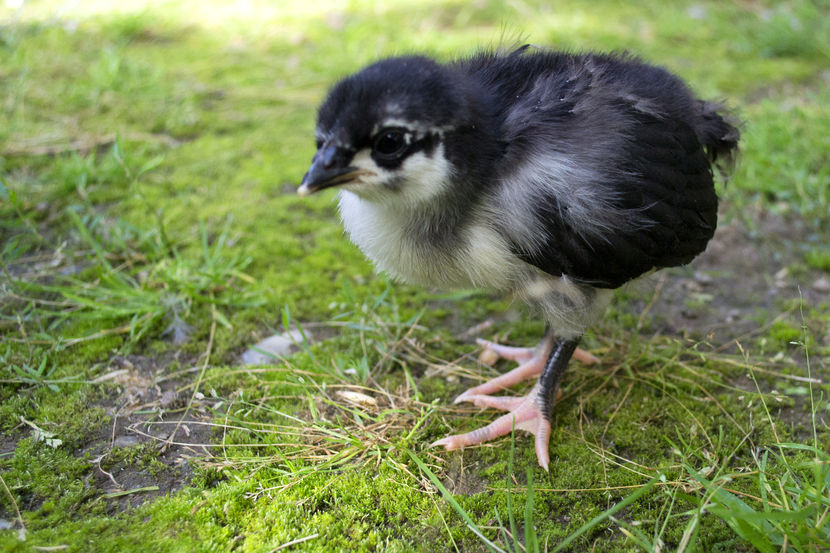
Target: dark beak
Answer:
[[329, 168]]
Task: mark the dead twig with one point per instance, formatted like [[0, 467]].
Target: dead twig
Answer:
[[14, 504], [293, 542]]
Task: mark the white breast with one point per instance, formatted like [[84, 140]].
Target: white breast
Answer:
[[481, 258]]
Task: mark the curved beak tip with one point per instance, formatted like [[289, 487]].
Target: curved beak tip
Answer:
[[304, 190]]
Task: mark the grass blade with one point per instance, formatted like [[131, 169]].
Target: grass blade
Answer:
[[453, 503], [599, 518]]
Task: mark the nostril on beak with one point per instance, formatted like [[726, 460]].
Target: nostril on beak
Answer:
[[328, 156]]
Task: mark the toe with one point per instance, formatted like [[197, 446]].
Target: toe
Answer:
[[525, 371], [542, 443], [502, 403], [507, 352], [584, 357]]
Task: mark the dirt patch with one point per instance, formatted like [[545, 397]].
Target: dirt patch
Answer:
[[733, 290], [8, 443], [463, 480], [147, 448]]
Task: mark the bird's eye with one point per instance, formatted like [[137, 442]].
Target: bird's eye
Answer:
[[390, 144]]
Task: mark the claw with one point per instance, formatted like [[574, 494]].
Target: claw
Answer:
[[524, 414]]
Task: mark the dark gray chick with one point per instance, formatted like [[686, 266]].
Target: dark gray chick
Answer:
[[555, 177]]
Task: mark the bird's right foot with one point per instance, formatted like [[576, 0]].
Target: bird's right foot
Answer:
[[523, 413]]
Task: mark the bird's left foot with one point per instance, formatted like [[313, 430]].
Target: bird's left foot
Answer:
[[524, 413]]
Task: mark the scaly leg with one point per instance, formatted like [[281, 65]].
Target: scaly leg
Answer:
[[531, 413], [531, 362]]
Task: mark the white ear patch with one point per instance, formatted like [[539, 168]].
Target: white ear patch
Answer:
[[363, 160], [424, 177]]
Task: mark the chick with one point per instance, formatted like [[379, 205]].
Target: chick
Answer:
[[553, 177]]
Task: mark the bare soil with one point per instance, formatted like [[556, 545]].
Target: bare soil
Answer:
[[148, 407], [737, 286]]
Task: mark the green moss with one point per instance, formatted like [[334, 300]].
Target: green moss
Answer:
[[143, 456], [819, 258], [172, 131], [47, 482], [784, 333], [13, 406]]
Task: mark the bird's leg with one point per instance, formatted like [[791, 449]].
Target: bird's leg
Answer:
[[531, 362], [531, 413]]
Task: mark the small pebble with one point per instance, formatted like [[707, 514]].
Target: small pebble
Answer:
[[704, 278], [272, 348], [488, 357], [822, 285], [780, 278]]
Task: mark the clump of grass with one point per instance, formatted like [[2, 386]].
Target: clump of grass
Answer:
[[114, 277], [785, 505], [134, 282], [792, 511], [36, 367], [530, 543], [782, 162]]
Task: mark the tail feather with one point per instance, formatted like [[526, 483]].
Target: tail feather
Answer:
[[719, 132]]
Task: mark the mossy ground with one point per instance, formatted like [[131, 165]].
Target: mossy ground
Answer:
[[150, 234]]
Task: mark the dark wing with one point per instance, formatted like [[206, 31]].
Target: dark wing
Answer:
[[608, 174], [665, 210]]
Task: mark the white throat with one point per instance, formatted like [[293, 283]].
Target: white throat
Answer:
[[418, 180]]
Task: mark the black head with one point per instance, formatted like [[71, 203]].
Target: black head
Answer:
[[380, 130]]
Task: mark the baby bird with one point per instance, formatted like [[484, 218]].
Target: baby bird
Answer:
[[554, 177]]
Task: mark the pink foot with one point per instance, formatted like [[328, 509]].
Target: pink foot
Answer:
[[524, 414], [531, 362]]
